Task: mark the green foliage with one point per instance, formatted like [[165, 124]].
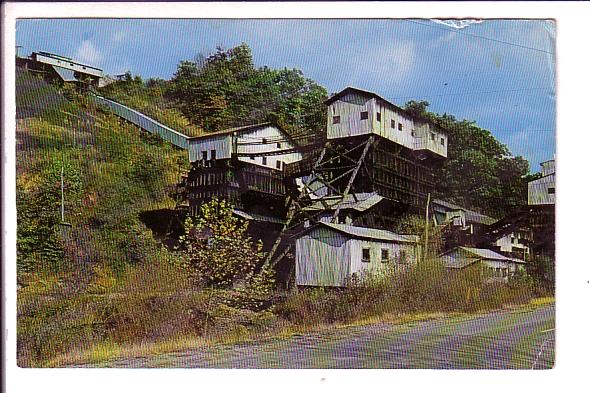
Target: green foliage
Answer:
[[226, 90], [218, 250], [480, 173]]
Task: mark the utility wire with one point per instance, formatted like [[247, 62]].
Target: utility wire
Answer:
[[481, 37], [473, 92]]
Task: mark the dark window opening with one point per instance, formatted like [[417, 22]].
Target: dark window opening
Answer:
[[442, 141], [263, 160], [252, 157], [399, 126], [384, 255], [336, 120], [278, 145], [379, 116], [278, 165], [432, 136], [551, 190], [364, 115], [366, 257], [393, 124], [204, 155], [264, 141], [213, 154]]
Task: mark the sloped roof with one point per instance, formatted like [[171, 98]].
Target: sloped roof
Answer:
[[365, 93], [227, 131], [489, 254], [362, 202], [476, 254], [470, 215], [257, 217], [371, 233]]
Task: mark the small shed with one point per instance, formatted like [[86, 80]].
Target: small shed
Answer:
[[497, 266], [328, 254]]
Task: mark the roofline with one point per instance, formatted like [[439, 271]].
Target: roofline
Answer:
[[510, 259], [233, 130], [326, 224], [69, 59], [349, 89]]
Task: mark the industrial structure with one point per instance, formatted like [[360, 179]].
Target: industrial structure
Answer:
[[62, 69]]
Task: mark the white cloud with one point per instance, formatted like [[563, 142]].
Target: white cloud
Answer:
[[457, 23], [87, 52]]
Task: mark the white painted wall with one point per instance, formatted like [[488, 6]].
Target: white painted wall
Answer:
[[247, 142], [349, 108], [71, 65], [252, 142], [222, 144], [538, 192], [327, 258]]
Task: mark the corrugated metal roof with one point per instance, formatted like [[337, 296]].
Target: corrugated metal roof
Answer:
[[65, 74], [367, 93], [360, 202], [470, 215], [489, 254], [483, 253], [231, 130], [371, 233], [257, 217]]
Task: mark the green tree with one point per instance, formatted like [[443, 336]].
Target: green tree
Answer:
[[480, 172], [226, 89], [219, 253]]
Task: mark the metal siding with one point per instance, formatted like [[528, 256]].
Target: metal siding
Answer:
[[222, 144], [322, 259], [271, 133], [66, 64], [144, 122], [349, 109], [538, 191]]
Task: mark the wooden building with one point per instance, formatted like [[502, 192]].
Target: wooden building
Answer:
[[492, 265], [243, 165], [330, 254], [542, 191], [62, 69]]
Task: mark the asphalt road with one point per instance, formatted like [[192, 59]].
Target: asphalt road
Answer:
[[520, 339]]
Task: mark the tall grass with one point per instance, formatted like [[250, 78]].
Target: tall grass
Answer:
[[427, 287]]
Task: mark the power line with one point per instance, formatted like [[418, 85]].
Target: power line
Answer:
[[474, 92], [481, 37]]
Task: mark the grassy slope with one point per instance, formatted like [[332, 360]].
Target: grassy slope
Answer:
[[150, 101], [112, 173]]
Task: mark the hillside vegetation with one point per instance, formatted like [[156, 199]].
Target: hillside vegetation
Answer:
[[99, 281]]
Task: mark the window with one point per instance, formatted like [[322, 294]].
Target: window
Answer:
[[379, 116], [384, 255], [204, 155], [442, 141], [551, 190], [498, 272], [278, 145], [399, 126], [402, 257], [263, 160], [252, 158], [413, 133], [364, 115], [264, 141], [393, 124], [366, 258], [213, 154], [278, 165], [432, 136], [336, 120]]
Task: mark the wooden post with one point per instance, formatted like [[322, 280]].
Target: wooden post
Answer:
[[426, 229]]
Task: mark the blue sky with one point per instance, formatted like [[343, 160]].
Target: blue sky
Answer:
[[499, 73]]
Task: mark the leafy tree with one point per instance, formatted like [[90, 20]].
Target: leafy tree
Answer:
[[480, 173], [219, 251], [226, 89]]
